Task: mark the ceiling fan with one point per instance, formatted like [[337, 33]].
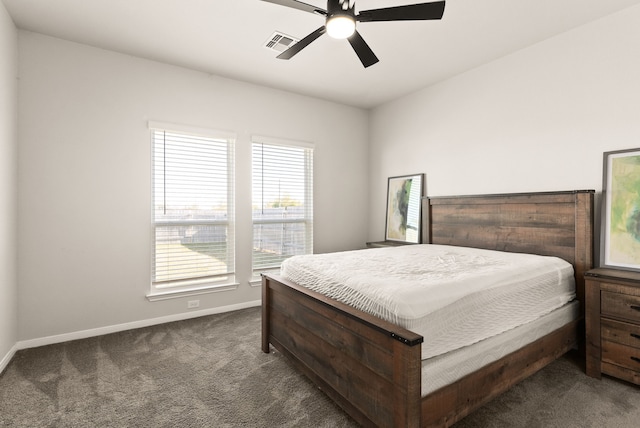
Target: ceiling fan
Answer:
[[341, 21]]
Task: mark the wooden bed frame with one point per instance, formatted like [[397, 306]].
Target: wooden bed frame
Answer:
[[371, 368]]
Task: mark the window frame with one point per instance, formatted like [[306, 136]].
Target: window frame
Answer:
[[162, 290]]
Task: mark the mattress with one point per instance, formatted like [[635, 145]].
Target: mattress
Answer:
[[452, 296], [447, 368]]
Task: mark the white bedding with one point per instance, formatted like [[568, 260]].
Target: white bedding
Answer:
[[452, 296]]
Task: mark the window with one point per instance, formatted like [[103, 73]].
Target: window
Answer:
[[193, 216], [282, 202]]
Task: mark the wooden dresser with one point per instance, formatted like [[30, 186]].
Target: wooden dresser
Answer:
[[613, 323]]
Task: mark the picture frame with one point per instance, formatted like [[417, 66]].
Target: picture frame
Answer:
[[620, 247], [403, 219]]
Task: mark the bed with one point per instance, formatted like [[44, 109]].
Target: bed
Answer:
[[373, 368]]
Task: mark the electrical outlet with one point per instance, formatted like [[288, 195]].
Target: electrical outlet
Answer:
[[193, 304]]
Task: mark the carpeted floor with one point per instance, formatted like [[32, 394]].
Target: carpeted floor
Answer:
[[210, 372]]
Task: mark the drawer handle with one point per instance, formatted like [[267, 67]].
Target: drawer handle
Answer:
[[636, 359], [635, 336], [635, 307]]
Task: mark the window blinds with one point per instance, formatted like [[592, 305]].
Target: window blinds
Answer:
[[282, 177], [192, 208]]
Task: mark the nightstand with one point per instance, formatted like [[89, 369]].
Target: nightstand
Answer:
[[612, 314]]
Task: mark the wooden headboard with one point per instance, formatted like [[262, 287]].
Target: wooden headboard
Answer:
[[547, 223]]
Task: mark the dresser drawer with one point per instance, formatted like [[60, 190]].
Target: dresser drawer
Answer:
[[620, 332], [621, 355], [622, 306]]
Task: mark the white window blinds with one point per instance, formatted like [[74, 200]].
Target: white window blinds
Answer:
[[193, 237], [282, 177]]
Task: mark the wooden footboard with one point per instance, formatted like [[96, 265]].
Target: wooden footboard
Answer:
[[370, 367]]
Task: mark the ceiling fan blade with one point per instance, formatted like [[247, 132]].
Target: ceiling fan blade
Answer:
[[364, 52], [299, 5], [411, 12], [289, 53]]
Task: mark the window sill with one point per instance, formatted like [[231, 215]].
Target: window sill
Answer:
[[191, 291]]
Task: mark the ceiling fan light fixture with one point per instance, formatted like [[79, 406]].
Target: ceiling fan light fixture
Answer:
[[340, 26]]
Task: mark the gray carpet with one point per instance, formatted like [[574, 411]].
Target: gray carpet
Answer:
[[210, 372]]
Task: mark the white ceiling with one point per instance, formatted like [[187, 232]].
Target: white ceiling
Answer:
[[226, 38]]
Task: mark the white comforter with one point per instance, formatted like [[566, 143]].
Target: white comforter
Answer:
[[453, 296]]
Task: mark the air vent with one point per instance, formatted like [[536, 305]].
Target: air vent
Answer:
[[280, 42]]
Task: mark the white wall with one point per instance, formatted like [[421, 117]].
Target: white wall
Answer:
[[8, 186], [537, 120], [84, 177]]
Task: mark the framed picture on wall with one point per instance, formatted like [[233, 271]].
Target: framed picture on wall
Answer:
[[621, 209], [404, 195]]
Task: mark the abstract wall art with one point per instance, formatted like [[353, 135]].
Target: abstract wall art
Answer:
[[621, 213], [404, 195]]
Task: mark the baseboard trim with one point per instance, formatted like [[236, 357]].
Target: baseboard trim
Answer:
[[49, 340], [7, 358]]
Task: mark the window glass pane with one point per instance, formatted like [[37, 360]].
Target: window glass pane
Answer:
[[192, 251], [275, 242], [191, 177]]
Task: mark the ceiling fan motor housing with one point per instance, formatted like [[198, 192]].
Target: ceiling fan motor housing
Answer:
[[341, 7]]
